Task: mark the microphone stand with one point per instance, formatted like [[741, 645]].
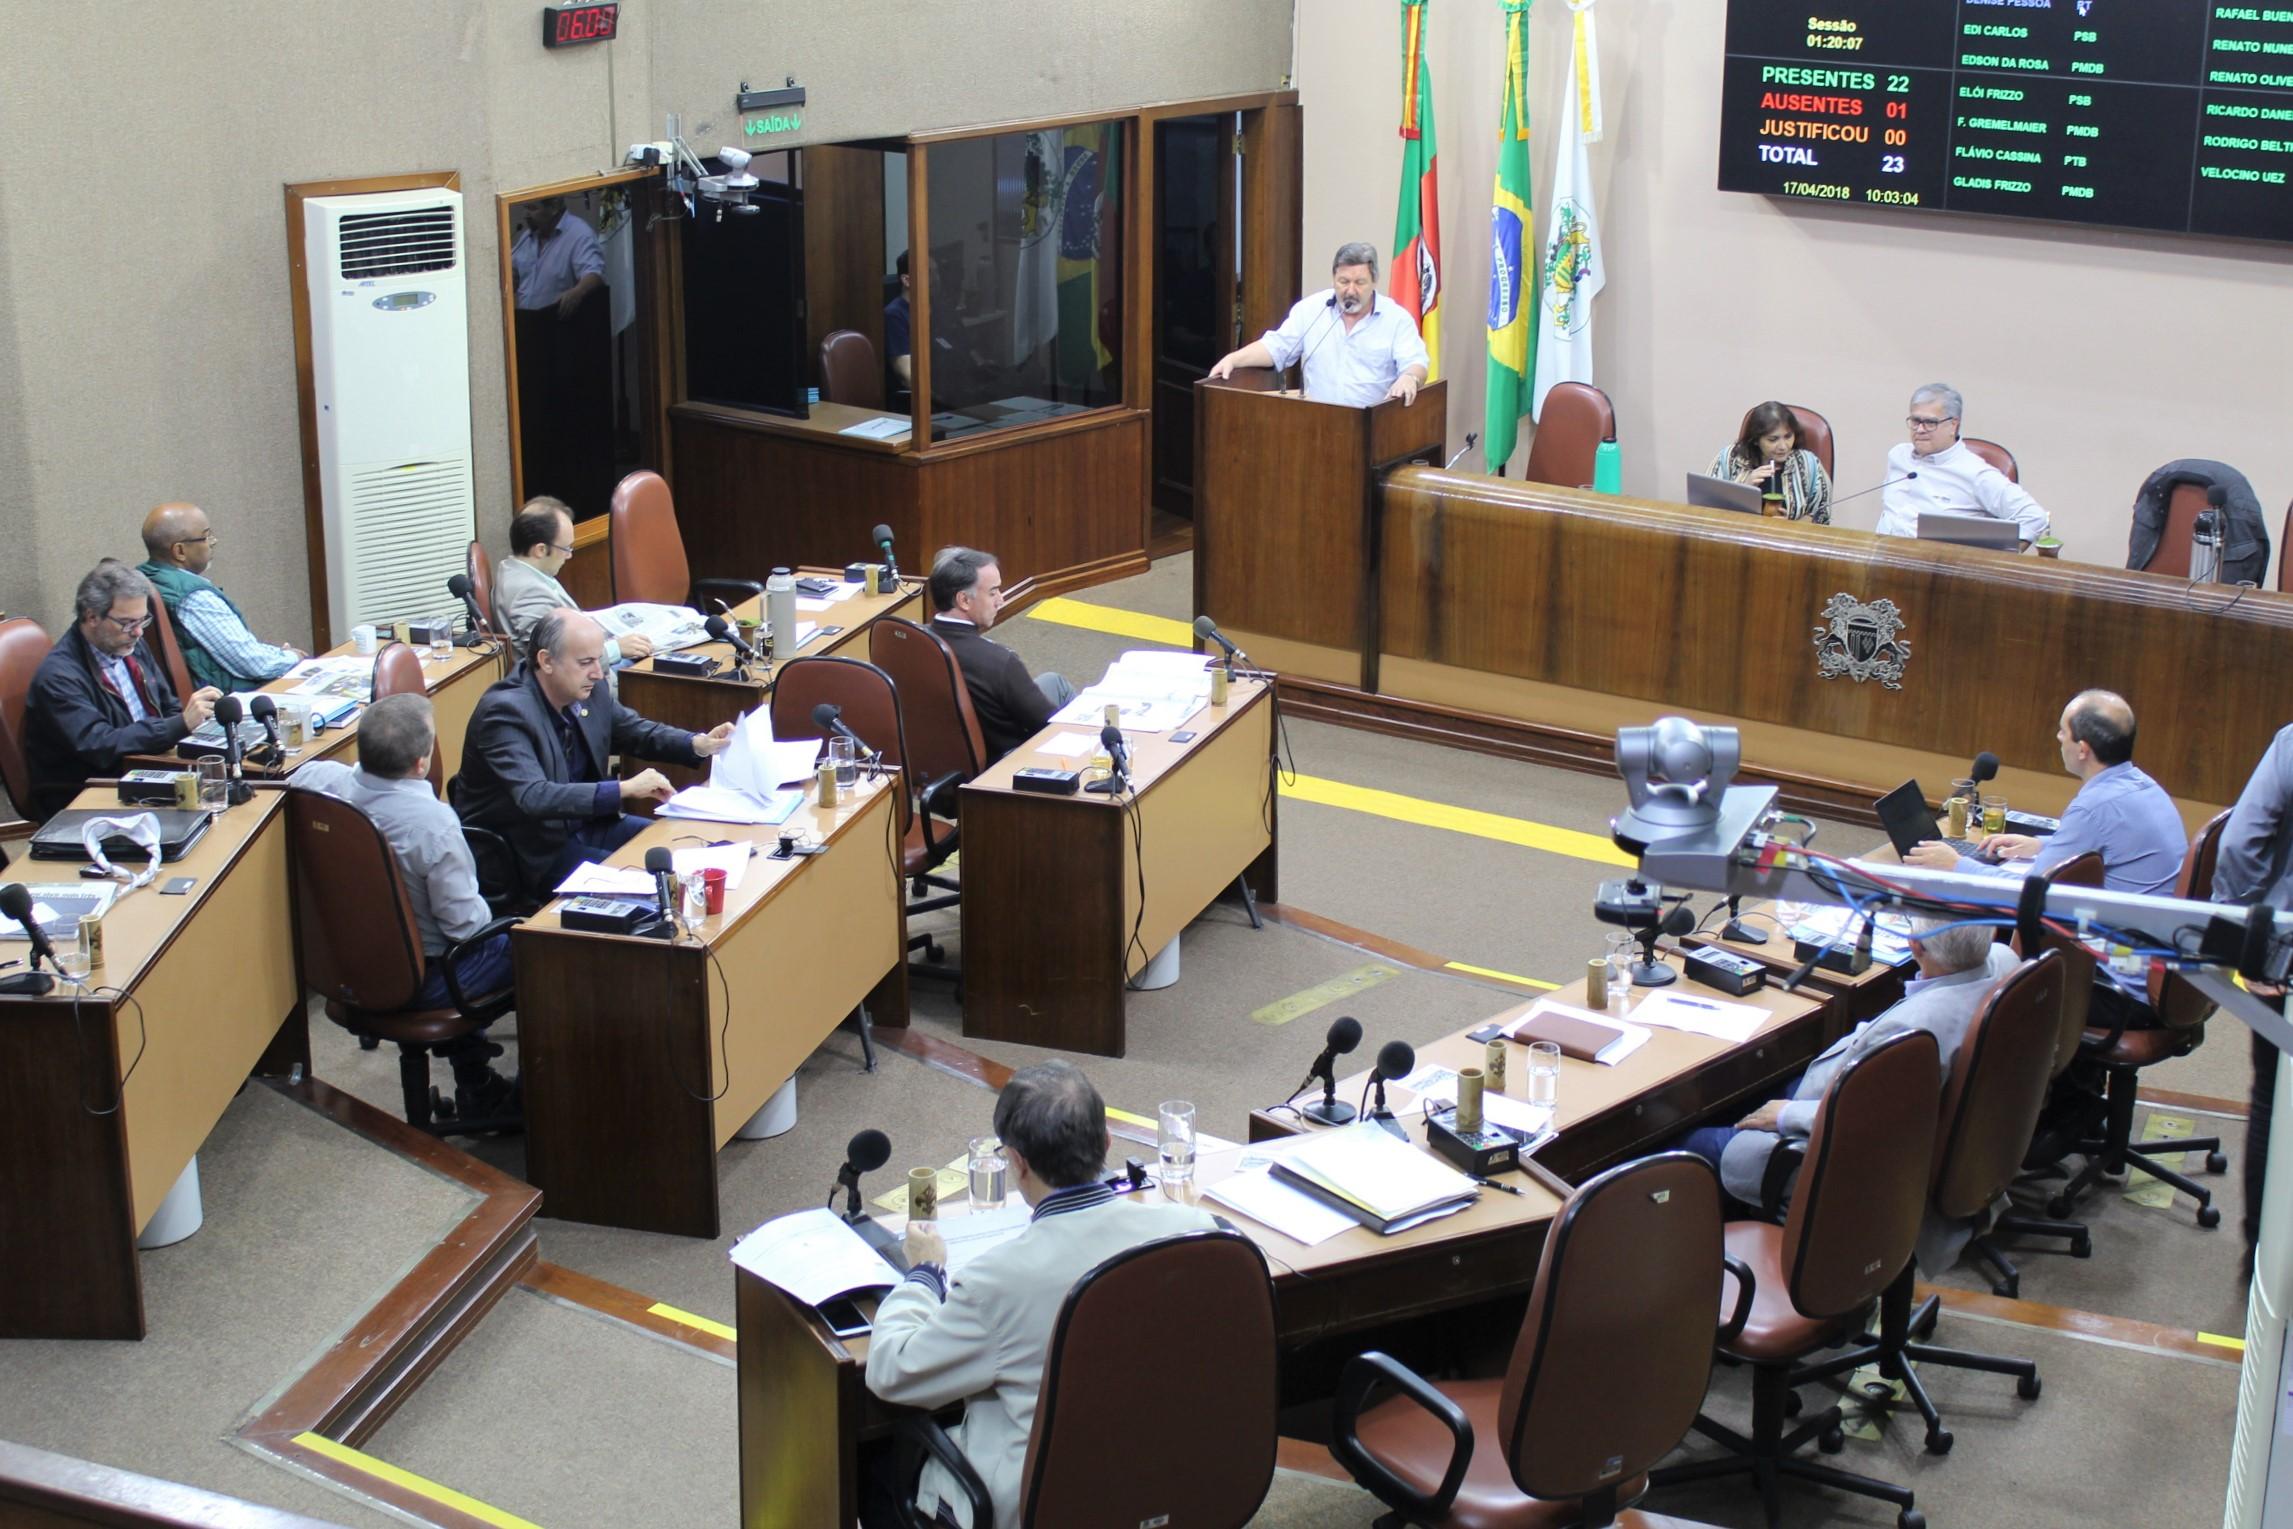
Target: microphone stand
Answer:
[[1736, 929]]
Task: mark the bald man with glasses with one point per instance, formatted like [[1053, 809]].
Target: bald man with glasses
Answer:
[[1936, 473], [100, 695]]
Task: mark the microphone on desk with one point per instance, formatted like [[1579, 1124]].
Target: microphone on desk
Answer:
[[1837, 501], [266, 711], [883, 538], [16, 902], [829, 718], [663, 864], [479, 628], [1395, 1060], [1985, 767], [866, 1152], [1308, 353], [1736, 929], [1472, 439], [228, 715], [1344, 1034], [722, 630], [1207, 630]]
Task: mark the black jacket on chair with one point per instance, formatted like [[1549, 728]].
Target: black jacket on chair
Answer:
[[1011, 709], [517, 781], [76, 727], [2244, 531]]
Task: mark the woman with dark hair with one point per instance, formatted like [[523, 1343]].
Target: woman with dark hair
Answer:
[[1767, 455]]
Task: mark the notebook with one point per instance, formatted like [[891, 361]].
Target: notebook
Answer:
[[1385, 1184], [179, 829]]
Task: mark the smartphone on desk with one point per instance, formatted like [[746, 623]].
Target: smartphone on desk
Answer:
[[845, 1318]]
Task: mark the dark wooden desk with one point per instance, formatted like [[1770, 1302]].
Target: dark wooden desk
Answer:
[[622, 1040], [1609, 1114], [106, 1101], [696, 705], [805, 1408], [1051, 884]]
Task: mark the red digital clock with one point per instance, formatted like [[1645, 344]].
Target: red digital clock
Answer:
[[568, 26]]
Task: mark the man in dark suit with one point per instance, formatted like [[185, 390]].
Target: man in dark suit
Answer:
[[967, 592], [536, 763], [100, 695]]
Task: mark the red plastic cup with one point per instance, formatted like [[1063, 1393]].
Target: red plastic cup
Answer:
[[713, 889]]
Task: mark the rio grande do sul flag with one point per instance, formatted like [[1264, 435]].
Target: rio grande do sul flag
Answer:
[[1512, 253], [1416, 284], [1575, 269]]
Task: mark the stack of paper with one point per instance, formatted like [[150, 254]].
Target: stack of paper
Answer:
[[757, 764], [349, 678], [1154, 691], [714, 804], [1256, 1193], [1377, 1179], [814, 1256]]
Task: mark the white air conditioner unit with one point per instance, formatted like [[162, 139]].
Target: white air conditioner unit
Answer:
[[390, 378]]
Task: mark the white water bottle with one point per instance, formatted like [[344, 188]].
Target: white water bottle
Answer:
[[780, 612]]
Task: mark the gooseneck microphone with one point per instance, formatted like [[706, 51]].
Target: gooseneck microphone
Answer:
[[1985, 767], [1119, 759], [1308, 354], [1344, 1034], [1395, 1060], [460, 588], [1651, 972], [663, 864], [16, 903], [228, 715], [266, 711], [1838, 500], [829, 718], [883, 538], [722, 630], [1736, 929], [865, 1153], [1207, 630]]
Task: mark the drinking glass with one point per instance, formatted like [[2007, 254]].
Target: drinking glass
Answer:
[[1994, 814], [1622, 949], [214, 784], [71, 962], [1544, 1077], [1175, 1139], [441, 637], [847, 763], [989, 1180], [693, 897]]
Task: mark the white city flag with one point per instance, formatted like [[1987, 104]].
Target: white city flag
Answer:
[[1574, 270]]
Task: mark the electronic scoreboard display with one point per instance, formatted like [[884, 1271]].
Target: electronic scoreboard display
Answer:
[[2155, 114]]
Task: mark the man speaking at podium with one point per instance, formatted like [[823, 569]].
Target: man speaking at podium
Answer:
[[1359, 348]]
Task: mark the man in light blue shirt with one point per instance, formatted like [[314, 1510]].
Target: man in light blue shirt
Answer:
[[2119, 812], [1359, 348]]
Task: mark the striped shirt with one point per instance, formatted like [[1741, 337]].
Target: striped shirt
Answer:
[[211, 622]]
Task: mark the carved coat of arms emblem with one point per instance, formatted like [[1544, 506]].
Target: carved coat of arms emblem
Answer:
[[1861, 640]]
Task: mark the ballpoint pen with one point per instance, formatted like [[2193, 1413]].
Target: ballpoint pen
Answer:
[[1492, 1184], [1695, 1003]]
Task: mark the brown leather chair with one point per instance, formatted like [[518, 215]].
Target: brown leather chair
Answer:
[[1853, 1222], [481, 571], [2172, 555], [1990, 1104], [849, 372], [398, 671], [360, 950], [1996, 455], [1194, 1312], [649, 551], [23, 648], [1576, 419], [1613, 1359], [1814, 434], [160, 638], [944, 746], [2181, 1012]]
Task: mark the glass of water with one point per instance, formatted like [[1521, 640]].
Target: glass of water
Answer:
[[441, 637], [214, 784], [1544, 1077], [1622, 950], [1175, 1138], [846, 761], [990, 1181]]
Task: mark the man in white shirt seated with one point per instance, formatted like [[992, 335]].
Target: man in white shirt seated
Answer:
[[1936, 473], [981, 1337], [1359, 348], [391, 785]]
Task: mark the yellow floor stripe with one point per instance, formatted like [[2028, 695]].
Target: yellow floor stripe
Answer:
[[1105, 618], [2226, 1342], [687, 1319], [1463, 820], [1322, 994], [1130, 1119], [1488, 971], [383, 1470]]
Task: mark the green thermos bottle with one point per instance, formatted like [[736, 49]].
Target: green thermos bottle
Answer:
[[1607, 468]]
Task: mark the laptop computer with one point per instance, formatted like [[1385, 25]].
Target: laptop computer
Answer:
[[1969, 530], [1723, 494], [179, 829], [1909, 822]]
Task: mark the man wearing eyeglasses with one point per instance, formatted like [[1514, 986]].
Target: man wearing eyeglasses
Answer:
[[526, 587], [218, 646], [99, 695], [1937, 473]]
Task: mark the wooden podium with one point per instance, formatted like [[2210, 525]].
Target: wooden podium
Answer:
[[1286, 518]]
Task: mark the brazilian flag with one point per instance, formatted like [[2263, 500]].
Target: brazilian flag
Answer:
[[1512, 254]]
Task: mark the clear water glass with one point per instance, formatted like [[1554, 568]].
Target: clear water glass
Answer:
[[1174, 1138], [441, 637], [990, 1174], [847, 762], [1622, 951], [214, 784], [1544, 1077]]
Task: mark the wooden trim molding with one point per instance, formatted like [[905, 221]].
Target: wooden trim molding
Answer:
[[43, 1490], [306, 404]]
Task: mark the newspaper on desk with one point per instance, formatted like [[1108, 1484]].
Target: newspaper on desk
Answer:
[[667, 627], [349, 677], [1153, 690], [58, 907]]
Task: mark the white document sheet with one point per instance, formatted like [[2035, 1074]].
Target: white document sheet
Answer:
[[970, 1235], [813, 1256], [732, 859], [1294, 1213], [1069, 745], [1734, 1023], [756, 764], [1140, 711], [891, 427], [714, 804], [591, 879]]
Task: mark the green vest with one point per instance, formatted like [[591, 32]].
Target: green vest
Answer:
[[176, 585]]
